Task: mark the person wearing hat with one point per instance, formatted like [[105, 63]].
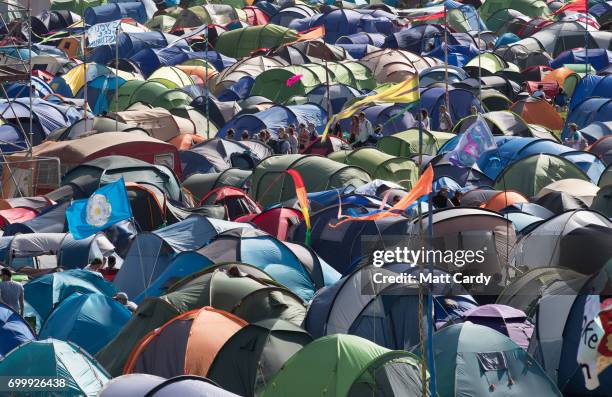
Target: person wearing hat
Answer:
[[122, 298], [575, 140]]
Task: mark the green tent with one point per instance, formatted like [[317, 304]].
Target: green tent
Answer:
[[606, 177], [353, 74], [380, 165], [171, 77], [53, 359], [531, 8], [530, 174], [494, 100], [161, 23], [241, 42], [200, 184], [491, 63], [406, 143], [603, 201], [474, 360], [124, 94], [155, 94], [270, 184], [347, 365], [272, 84], [251, 357], [219, 14], [76, 6], [236, 288]]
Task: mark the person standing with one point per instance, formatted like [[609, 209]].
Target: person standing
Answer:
[[284, 147], [561, 100], [303, 136], [539, 93], [11, 292], [424, 119], [446, 122], [245, 135], [293, 142], [365, 129], [312, 132], [230, 134]]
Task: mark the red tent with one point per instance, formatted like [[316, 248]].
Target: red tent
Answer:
[[275, 221], [16, 215], [235, 201]]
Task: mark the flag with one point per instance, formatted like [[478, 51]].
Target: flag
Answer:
[[420, 189], [103, 33], [300, 192], [475, 141], [106, 206], [590, 336], [404, 92], [577, 6], [292, 80]]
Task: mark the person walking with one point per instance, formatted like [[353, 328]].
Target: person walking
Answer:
[[11, 292], [576, 140]]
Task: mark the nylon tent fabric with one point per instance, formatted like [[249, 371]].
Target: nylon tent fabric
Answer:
[[89, 320], [532, 173], [219, 14], [188, 386], [45, 292], [56, 359], [273, 343], [200, 184], [535, 111], [433, 97], [250, 67], [14, 330], [239, 289], [76, 6], [112, 11], [270, 184], [389, 65], [130, 43], [505, 319], [406, 143], [532, 8], [239, 43], [603, 201], [584, 190], [356, 364], [380, 165], [196, 336], [464, 347], [136, 385]]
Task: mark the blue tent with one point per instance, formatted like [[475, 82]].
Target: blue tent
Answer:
[[458, 55], [131, 43], [276, 117], [357, 51], [90, 320], [217, 155], [344, 22], [54, 359], [101, 92], [269, 8], [588, 111], [506, 39], [416, 38], [591, 86], [437, 74], [45, 292], [51, 220], [338, 95], [149, 60], [14, 330], [587, 162], [460, 101], [288, 13], [74, 254], [150, 253], [239, 90], [599, 58], [295, 266], [375, 39], [11, 139], [20, 90], [113, 11], [596, 130]]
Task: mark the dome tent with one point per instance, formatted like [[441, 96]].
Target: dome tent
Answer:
[[51, 358], [347, 365], [239, 289], [253, 355], [14, 330]]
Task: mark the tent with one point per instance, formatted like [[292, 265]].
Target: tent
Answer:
[[247, 371], [274, 221], [395, 66], [206, 14], [461, 102], [287, 14], [579, 188], [51, 358], [142, 385], [200, 184], [391, 117], [500, 123], [236, 202], [270, 184], [236, 288], [295, 266], [537, 111], [357, 367], [218, 155], [578, 240], [47, 291], [14, 330], [246, 67], [130, 43], [598, 58], [89, 320], [241, 42], [603, 201], [112, 11], [530, 174], [185, 345], [512, 372], [380, 165], [406, 143]]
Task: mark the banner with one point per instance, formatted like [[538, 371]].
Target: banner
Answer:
[[103, 34], [300, 192], [590, 336], [475, 141]]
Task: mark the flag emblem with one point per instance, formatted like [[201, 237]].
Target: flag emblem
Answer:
[[99, 210]]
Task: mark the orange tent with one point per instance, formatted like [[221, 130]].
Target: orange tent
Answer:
[[186, 141], [185, 345], [503, 199], [199, 72], [538, 111]]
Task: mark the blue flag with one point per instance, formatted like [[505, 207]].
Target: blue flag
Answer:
[[106, 206], [476, 140], [103, 33]]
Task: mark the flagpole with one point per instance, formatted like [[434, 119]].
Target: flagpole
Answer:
[[84, 49], [446, 101], [117, 75], [430, 307], [206, 88], [479, 66], [586, 43]]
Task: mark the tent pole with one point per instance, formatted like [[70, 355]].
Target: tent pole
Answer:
[[446, 101], [206, 87], [430, 307], [479, 67], [31, 87], [586, 43], [84, 49]]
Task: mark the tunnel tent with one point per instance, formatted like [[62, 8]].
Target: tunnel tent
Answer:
[[241, 42], [74, 253], [270, 184], [532, 173], [51, 358], [273, 343], [236, 288], [357, 367], [380, 165]]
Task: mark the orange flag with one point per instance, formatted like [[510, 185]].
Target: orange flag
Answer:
[[302, 196], [421, 188], [311, 34]]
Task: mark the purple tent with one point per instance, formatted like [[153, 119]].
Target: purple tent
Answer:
[[505, 319]]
